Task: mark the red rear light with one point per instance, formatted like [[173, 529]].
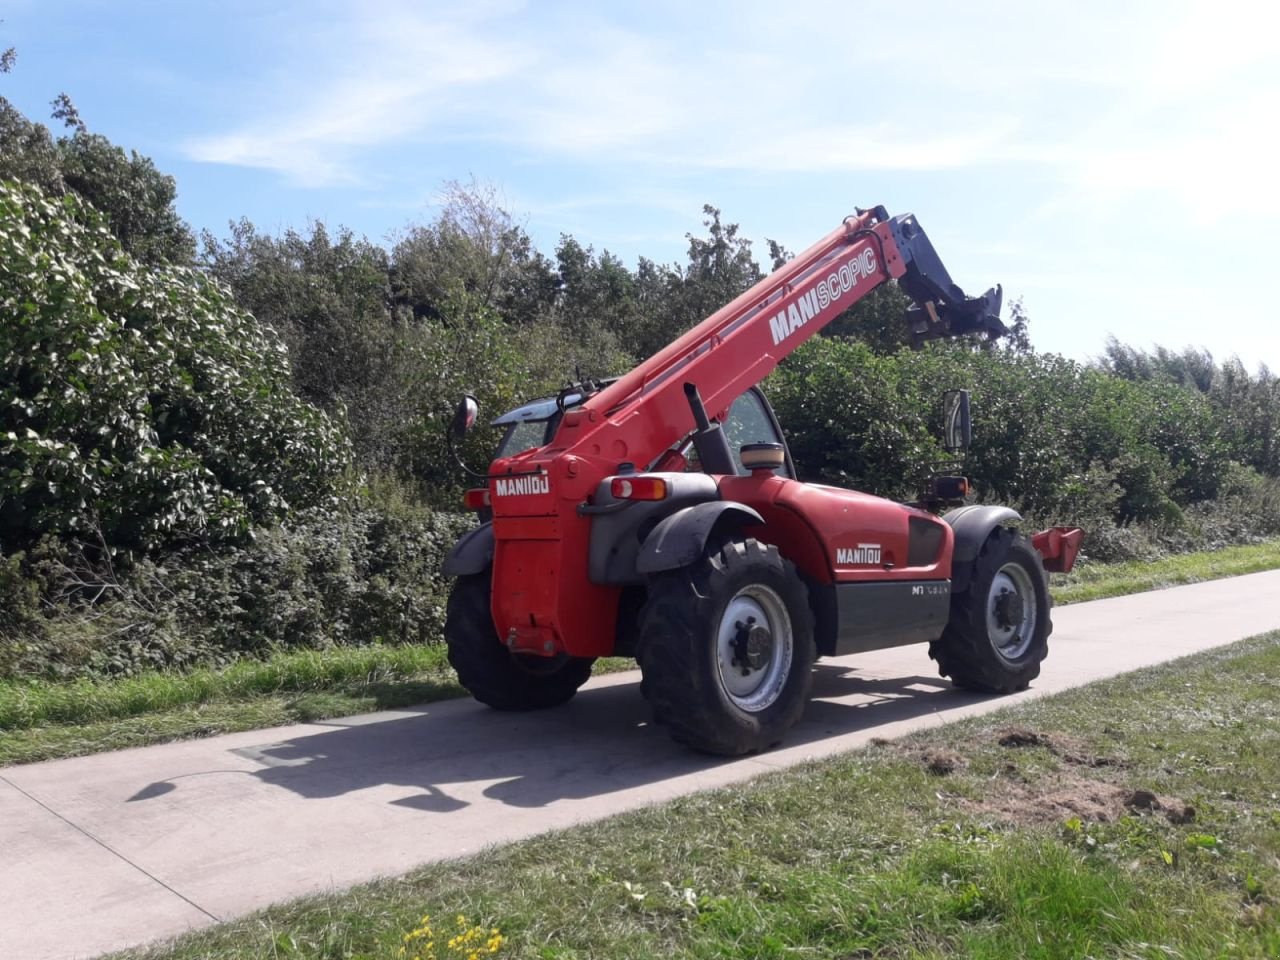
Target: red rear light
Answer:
[[638, 488], [477, 499]]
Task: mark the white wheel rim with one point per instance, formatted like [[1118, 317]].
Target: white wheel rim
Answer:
[[1011, 611], [754, 687]]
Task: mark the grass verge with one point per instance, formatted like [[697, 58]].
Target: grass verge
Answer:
[[1100, 580], [1134, 817], [41, 720]]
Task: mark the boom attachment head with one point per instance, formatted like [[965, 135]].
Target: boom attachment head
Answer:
[[942, 309], [971, 315]]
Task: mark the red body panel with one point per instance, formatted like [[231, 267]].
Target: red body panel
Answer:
[[837, 535], [543, 600], [1058, 547]]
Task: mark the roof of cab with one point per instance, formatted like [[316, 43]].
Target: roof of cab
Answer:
[[542, 409]]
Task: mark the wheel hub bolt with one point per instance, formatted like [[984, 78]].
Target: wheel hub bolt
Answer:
[[1009, 610], [752, 645]]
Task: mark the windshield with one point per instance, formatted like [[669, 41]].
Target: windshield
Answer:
[[524, 435]]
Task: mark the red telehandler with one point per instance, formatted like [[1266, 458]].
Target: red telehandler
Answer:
[[658, 515]]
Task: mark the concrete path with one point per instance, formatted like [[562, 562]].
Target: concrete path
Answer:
[[103, 852]]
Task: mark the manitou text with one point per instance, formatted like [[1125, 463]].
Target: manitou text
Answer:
[[523, 485]]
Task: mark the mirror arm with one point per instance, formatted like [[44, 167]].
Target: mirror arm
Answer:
[[453, 452]]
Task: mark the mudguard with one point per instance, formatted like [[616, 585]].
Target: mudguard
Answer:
[[681, 538], [972, 525], [473, 553]]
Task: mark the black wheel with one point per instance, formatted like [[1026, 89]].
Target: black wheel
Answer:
[[494, 675], [726, 649], [999, 629]]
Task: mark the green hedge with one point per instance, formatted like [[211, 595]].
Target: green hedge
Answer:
[[352, 576], [1049, 433]]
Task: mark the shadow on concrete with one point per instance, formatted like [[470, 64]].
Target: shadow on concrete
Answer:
[[600, 742]]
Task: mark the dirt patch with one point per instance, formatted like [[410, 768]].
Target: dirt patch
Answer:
[[1065, 748], [1068, 796], [1021, 737], [1144, 801], [1181, 813], [1071, 795], [942, 762]]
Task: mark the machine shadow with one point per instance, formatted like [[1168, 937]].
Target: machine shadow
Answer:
[[599, 743]]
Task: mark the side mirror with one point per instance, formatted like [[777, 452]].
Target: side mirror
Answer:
[[957, 430], [464, 417]]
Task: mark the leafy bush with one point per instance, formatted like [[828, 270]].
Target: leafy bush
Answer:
[[344, 577], [1058, 438], [139, 403]]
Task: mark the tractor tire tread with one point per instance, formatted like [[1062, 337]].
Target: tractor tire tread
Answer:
[[676, 652], [964, 653]]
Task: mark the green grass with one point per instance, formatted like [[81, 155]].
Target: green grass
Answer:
[[27, 704], [1098, 580], [42, 720], [956, 842]]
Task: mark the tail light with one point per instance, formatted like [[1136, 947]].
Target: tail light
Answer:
[[638, 488], [476, 499]]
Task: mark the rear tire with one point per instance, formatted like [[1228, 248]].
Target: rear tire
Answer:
[[726, 649], [494, 675], [998, 633]]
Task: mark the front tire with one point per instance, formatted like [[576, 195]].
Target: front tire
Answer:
[[998, 633], [494, 675], [726, 649]]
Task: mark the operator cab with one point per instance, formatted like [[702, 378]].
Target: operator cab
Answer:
[[532, 425], [751, 420]]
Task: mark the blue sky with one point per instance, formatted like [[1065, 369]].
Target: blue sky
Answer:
[[1111, 163]]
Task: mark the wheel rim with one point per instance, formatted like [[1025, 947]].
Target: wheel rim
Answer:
[[754, 646], [1011, 611]]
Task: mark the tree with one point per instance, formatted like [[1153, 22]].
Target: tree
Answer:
[[28, 151], [1017, 340], [596, 305], [328, 296], [473, 248], [65, 110], [136, 199], [674, 298]]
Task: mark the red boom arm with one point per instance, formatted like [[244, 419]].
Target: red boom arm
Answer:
[[643, 413]]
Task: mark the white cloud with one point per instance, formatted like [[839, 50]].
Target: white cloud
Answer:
[[1156, 98], [392, 72]]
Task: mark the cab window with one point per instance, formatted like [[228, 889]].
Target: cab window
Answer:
[[523, 436], [749, 422]]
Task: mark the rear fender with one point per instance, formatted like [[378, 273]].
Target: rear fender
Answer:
[[473, 553], [972, 525], [682, 538]]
